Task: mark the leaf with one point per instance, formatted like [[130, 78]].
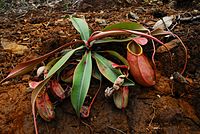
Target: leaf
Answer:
[[45, 107], [118, 56], [29, 65], [96, 74], [140, 40], [168, 46], [107, 40], [33, 84], [120, 97], [51, 63], [81, 82], [34, 95], [126, 26], [62, 61], [105, 67], [159, 32], [164, 23], [53, 70], [67, 74], [24, 68], [57, 89], [81, 26]]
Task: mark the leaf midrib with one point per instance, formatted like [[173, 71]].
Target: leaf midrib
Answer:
[[79, 97], [105, 65]]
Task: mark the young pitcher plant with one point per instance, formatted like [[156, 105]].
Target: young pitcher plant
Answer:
[[90, 57]]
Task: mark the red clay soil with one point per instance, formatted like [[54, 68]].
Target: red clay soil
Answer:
[[168, 108]]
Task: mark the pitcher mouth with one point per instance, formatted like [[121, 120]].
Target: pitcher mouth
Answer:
[[134, 48]]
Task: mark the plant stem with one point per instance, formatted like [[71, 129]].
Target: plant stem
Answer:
[[186, 52], [120, 32]]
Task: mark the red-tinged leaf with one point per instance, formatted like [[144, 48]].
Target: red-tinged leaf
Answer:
[[34, 95], [33, 84], [81, 82], [118, 56], [120, 97], [57, 89], [45, 107], [29, 65], [51, 72], [114, 65], [140, 40], [106, 69], [23, 68]]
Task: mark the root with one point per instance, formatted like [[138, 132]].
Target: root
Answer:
[[116, 129]]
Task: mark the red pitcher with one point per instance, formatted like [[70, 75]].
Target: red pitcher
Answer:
[[140, 67]]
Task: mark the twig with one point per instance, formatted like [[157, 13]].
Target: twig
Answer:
[[116, 129], [189, 18], [166, 26]]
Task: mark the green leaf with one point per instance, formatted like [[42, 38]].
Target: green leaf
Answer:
[[51, 72], [96, 73], [81, 82], [51, 63], [128, 82], [81, 26], [62, 61], [108, 40], [105, 67], [118, 56], [126, 26]]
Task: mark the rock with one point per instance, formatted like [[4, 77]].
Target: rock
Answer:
[[133, 16], [101, 21], [13, 46]]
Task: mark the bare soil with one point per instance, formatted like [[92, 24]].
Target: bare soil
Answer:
[[168, 108]]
